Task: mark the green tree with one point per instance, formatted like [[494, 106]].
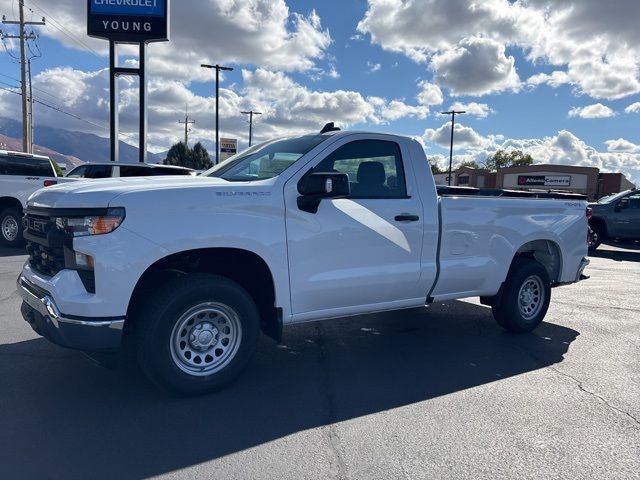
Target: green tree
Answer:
[[200, 158], [57, 168], [470, 164], [503, 159], [178, 154], [435, 167], [183, 156]]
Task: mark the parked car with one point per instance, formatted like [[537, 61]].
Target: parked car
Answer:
[[108, 170], [293, 230], [21, 174], [615, 217]]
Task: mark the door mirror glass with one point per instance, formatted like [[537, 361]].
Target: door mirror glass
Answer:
[[313, 187], [622, 204]]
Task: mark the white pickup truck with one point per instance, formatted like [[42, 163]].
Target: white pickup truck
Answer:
[[293, 230], [21, 174]]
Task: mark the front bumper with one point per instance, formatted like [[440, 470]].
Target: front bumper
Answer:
[[82, 333]]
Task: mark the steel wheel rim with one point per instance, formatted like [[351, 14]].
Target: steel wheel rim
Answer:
[[9, 228], [531, 297], [205, 339], [594, 238]]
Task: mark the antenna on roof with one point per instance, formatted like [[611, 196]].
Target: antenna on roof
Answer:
[[329, 127]]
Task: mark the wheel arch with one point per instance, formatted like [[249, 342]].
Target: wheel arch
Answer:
[[10, 202], [544, 251], [244, 267], [599, 222]]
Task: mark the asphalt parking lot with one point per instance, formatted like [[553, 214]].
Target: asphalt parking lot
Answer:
[[432, 393]]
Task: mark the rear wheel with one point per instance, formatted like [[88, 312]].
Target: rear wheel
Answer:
[[197, 334], [596, 237], [11, 227], [525, 297]]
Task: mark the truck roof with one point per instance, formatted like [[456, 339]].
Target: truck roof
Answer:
[[6, 153]]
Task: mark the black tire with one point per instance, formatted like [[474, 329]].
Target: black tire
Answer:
[[596, 237], [509, 313], [160, 349], [10, 219]]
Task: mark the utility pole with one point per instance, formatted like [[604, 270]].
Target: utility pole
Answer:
[[251, 113], [186, 122], [453, 114], [217, 68], [24, 37]]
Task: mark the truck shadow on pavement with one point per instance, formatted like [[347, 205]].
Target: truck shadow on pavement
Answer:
[[617, 255], [61, 416]]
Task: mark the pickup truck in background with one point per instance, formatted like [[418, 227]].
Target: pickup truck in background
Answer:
[[21, 174], [615, 217], [293, 230]]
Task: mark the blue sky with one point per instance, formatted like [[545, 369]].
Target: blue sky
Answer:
[[304, 63]]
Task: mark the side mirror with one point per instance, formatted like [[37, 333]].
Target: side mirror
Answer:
[[313, 187], [622, 204]]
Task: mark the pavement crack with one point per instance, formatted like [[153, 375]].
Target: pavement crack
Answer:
[[333, 439], [581, 386]]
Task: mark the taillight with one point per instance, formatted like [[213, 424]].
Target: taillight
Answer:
[[589, 212], [48, 183]]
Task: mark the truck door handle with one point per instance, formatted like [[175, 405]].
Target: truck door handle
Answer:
[[407, 218]]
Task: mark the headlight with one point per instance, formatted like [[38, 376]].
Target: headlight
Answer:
[[91, 224]]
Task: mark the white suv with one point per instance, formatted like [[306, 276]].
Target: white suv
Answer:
[[21, 174]]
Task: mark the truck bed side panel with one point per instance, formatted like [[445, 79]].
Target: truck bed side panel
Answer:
[[481, 236]]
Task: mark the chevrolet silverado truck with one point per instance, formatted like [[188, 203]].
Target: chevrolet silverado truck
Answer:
[[615, 217], [298, 229]]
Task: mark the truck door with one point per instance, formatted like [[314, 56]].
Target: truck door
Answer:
[[359, 251], [626, 218]]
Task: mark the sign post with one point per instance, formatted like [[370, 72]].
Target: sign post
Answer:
[[134, 22], [228, 148]]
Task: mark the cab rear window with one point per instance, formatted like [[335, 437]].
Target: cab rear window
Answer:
[[25, 166]]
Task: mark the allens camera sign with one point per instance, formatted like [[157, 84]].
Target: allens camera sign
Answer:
[[129, 21], [544, 180]]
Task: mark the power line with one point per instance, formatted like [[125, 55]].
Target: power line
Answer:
[[453, 114], [251, 113], [27, 103], [60, 27]]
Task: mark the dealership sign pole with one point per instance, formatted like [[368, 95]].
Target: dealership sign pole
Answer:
[[137, 22]]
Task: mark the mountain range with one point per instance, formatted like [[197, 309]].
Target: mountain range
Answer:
[[68, 147]]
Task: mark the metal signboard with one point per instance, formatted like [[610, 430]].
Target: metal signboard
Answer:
[[544, 180], [228, 148], [128, 21]]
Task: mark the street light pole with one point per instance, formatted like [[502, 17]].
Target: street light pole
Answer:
[[453, 124], [251, 113], [217, 69]]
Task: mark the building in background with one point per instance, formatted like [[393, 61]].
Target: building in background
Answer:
[[583, 180]]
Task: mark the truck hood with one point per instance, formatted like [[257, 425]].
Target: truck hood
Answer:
[[99, 193]]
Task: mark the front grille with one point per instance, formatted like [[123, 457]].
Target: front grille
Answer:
[[50, 250], [45, 245]]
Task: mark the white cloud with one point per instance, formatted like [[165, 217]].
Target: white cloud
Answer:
[[464, 137], [256, 32], [476, 66], [480, 110], [430, 94], [633, 108], [622, 145], [596, 110], [373, 67], [596, 44]]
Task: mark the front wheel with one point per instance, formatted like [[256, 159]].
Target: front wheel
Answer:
[[11, 228], [596, 235], [525, 297], [197, 334]]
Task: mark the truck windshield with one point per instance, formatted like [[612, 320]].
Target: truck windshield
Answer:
[[266, 160], [612, 197]]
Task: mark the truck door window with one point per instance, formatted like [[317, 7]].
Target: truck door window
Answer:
[[98, 171], [634, 202], [25, 166], [374, 168]]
